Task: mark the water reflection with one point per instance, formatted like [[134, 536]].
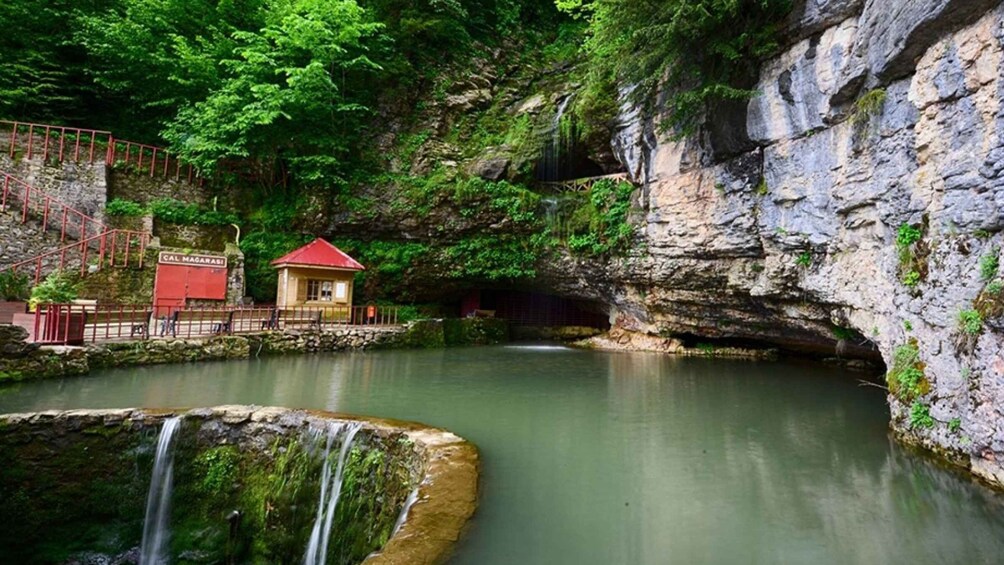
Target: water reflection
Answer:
[[624, 458]]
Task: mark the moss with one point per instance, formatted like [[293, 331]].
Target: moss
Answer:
[[475, 331], [424, 334], [11, 376], [868, 106]]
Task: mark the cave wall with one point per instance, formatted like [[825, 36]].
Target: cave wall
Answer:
[[877, 114]]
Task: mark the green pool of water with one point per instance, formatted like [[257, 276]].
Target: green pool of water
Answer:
[[603, 458]]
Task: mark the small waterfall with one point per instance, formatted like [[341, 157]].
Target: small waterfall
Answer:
[[153, 549], [331, 490], [412, 497], [560, 145]]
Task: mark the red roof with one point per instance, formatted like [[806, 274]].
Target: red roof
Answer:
[[320, 253]]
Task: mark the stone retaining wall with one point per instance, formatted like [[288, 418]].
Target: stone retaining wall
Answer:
[[246, 486], [21, 361]]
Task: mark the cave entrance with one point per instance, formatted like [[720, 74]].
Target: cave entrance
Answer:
[[534, 309], [564, 156]]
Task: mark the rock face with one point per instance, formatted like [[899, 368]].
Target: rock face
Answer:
[[879, 114]]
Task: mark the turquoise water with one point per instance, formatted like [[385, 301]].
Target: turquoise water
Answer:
[[598, 458]]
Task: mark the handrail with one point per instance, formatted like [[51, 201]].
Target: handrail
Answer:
[[147, 158], [18, 191], [575, 185], [75, 323], [78, 134], [106, 252]]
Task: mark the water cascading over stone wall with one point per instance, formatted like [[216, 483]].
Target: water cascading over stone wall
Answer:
[[244, 487]]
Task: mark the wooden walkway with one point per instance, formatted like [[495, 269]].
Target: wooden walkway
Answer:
[[583, 184]]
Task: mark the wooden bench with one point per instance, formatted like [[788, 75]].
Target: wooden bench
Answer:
[[249, 319], [281, 318], [219, 321], [137, 320]]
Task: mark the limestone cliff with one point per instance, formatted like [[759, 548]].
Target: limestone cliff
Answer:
[[881, 118]]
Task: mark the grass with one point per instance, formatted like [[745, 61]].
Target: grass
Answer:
[[868, 106], [971, 322]]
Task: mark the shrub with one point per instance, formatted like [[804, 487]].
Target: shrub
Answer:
[[954, 425], [128, 208], [14, 286], [177, 212], [56, 288], [804, 260], [920, 416], [971, 322]]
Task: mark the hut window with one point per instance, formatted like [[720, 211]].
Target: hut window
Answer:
[[319, 290]]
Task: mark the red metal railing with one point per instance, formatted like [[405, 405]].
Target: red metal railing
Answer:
[[52, 212], [62, 143], [111, 248], [68, 324], [74, 144], [151, 160]]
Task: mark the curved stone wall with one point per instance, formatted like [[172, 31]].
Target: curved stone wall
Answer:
[[73, 486]]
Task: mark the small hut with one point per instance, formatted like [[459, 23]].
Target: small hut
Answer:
[[317, 274]]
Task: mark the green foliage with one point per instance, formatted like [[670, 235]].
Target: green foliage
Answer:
[[954, 425], [177, 212], [910, 267], [706, 348], [869, 105], [389, 264], [907, 235], [700, 50], [14, 286], [907, 325], [920, 416], [971, 322], [804, 259], [906, 376], [504, 257], [516, 202], [260, 248], [989, 264], [126, 208], [843, 333], [994, 288], [57, 288], [218, 467], [599, 224], [911, 279], [270, 496]]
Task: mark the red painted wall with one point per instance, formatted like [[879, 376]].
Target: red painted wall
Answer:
[[177, 283]]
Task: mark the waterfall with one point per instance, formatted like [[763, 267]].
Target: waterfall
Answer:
[[331, 490], [153, 549], [558, 146], [412, 497]]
